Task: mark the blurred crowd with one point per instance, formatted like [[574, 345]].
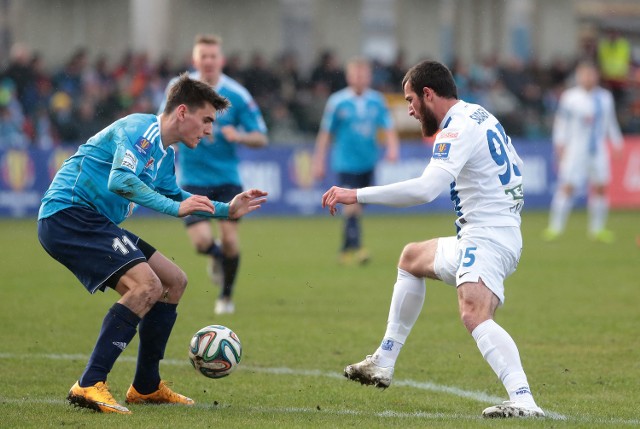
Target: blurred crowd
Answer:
[[41, 107]]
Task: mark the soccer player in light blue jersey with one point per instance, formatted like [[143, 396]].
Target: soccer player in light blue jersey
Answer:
[[352, 119], [129, 163], [212, 169]]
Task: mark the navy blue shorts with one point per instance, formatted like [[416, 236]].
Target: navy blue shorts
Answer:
[[222, 193], [355, 180], [97, 251]]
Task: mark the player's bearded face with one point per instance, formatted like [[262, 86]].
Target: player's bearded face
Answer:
[[428, 121]]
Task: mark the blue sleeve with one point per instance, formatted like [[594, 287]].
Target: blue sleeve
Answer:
[[328, 122], [221, 211], [165, 182], [385, 119], [129, 186], [250, 116], [124, 178]]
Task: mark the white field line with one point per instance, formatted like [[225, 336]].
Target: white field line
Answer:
[[341, 412], [421, 385]]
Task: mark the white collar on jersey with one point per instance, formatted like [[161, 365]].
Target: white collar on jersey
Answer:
[[450, 113]]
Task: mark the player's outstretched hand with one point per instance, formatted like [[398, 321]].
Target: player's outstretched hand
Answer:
[[337, 195], [195, 203], [246, 202]]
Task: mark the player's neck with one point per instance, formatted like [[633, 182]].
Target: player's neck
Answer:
[[211, 80], [445, 106], [167, 123]]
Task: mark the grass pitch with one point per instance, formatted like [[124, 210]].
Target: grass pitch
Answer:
[[572, 308]]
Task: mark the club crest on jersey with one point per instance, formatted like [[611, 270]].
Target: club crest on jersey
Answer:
[[142, 145], [441, 150]]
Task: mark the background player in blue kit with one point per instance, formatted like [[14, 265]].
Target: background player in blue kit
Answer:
[[352, 118], [131, 163], [212, 169]]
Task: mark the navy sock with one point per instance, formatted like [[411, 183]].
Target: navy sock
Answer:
[[351, 233], [155, 329], [118, 328], [230, 269], [214, 250]]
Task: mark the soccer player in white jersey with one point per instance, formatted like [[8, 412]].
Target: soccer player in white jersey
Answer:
[[473, 159], [585, 120]]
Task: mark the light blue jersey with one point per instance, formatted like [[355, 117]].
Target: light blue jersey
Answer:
[[123, 165], [353, 121], [215, 161]]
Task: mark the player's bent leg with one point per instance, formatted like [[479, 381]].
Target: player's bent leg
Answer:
[[418, 259], [155, 329], [199, 232], [140, 288], [162, 395], [477, 305], [96, 397], [172, 278], [406, 304], [230, 264]]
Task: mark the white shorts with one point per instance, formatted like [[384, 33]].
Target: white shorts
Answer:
[[577, 170], [490, 254]]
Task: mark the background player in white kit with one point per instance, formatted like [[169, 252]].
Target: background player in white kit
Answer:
[[585, 119], [474, 159]]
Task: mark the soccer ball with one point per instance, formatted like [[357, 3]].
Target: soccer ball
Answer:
[[215, 351]]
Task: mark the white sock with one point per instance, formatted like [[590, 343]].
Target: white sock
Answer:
[[406, 304], [561, 206], [598, 211], [500, 351]]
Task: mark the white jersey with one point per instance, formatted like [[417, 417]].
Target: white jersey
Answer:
[[475, 149], [584, 121]]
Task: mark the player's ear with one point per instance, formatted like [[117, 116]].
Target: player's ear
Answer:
[[181, 111], [427, 93]]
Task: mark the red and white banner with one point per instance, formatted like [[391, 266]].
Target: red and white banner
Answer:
[[624, 190]]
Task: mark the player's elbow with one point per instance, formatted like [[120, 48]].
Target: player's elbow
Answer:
[[118, 184]]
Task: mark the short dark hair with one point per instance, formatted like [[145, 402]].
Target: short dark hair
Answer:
[[434, 75], [194, 94]]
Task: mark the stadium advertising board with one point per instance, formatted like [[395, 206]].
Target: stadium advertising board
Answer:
[[285, 172]]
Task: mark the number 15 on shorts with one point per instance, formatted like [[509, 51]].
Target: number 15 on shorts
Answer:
[[468, 258]]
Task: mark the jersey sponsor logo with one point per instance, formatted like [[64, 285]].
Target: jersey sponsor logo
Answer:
[[448, 135], [149, 163], [441, 150], [142, 145], [129, 161]]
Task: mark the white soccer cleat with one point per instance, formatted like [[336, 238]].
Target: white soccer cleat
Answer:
[[224, 306], [367, 372], [512, 409]]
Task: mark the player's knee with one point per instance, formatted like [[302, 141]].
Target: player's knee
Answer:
[[202, 248], [414, 260], [180, 281], [149, 291], [471, 316]]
